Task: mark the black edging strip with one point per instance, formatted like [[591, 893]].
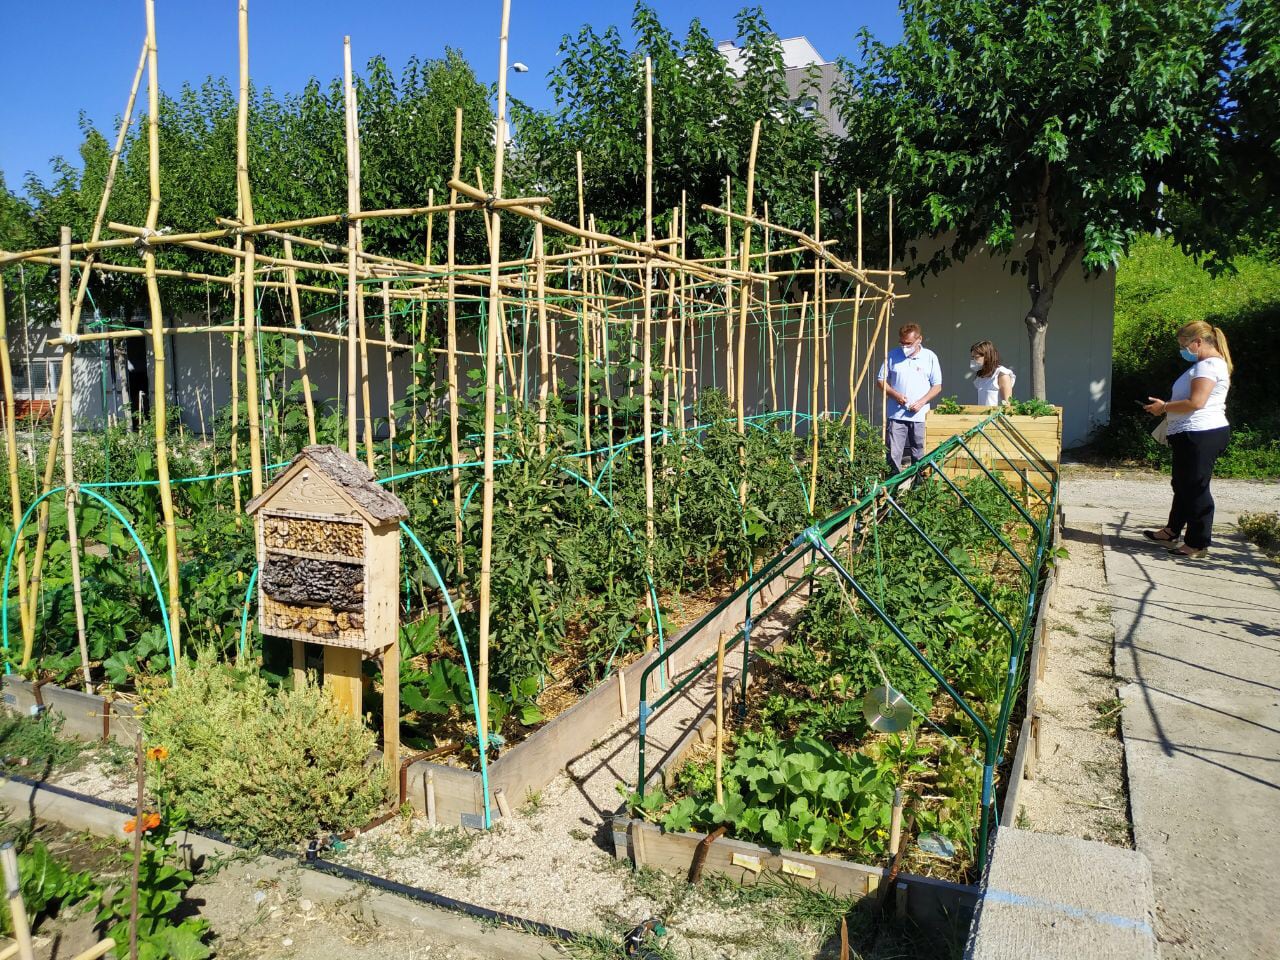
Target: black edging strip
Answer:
[[343, 872]]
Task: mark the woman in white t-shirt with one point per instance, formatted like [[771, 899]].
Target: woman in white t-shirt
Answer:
[[994, 382], [1198, 434]]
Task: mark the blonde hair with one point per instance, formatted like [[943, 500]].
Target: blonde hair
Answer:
[[1207, 333]]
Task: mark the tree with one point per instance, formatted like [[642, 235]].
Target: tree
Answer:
[[1233, 207], [703, 118], [1055, 119]]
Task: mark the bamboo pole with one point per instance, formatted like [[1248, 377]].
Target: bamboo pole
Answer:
[[237, 304], [852, 412], [668, 339], [744, 305], [544, 360], [243, 189], [366, 400], [656, 251], [884, 397], [17, 907], [451, 362], [159, 412], [817, 246], [391, 383], [296, 306], [684, 232], [646, 346], [729, 380], [795, 377], [720, 720], [490, 381], [819, 321], [419, 355], [585, 346], [353, 205], [67, 386], [28, 638], [768, 318], [11, 448], [115, 243]]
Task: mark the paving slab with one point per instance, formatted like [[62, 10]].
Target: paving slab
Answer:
[[1198, 646], [1063, 898]]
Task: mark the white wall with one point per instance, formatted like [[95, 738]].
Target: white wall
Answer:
[[972, 301], [980, 300]]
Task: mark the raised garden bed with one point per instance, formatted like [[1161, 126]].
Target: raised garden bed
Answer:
[[1016, 454], [944, 583]]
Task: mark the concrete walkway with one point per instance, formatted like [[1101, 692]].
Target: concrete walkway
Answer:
[[1198, 655]]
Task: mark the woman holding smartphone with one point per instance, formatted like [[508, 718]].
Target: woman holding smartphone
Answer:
[[1198, 433]]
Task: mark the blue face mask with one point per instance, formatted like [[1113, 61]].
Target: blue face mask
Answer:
[[1188, 355]]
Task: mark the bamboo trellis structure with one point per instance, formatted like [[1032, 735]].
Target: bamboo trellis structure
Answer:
[[596, 302]]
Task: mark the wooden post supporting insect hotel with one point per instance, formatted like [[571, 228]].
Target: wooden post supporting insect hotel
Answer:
[[328, 546]]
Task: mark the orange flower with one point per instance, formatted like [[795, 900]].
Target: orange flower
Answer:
[[158, 753], [149, 822]]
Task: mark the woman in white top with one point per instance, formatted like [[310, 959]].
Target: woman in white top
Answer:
[[993, 381], [1198, 433]]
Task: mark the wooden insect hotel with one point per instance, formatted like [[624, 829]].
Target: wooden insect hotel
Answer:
[[328, 549]]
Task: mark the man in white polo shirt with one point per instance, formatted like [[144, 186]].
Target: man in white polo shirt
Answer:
[[911, 377]]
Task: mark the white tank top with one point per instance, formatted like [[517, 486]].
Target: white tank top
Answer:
[[989, 387]]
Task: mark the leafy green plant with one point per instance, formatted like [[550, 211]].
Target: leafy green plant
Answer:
[[268, 767], [947, 405], [47, 884], [1263, 529], [1032, 407], [162, 885], [37, 742], [799, 794]]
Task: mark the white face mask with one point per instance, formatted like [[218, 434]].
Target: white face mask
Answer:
[[975, 365], [911, 349]]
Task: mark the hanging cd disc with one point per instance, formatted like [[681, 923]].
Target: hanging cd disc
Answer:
[[886, 709]]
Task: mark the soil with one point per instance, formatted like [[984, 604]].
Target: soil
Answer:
[[1079, 787]]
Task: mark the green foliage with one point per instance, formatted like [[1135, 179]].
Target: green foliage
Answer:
[[1032, 408], [162, 884], [1263, 529], [1158, 290], [947, 405], [267, 767], [1060, 116], [806, 772], [47, 884], [37, 740], [703, 118]]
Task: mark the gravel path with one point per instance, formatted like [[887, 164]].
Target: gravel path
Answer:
[[1148, 493], [553, 860]]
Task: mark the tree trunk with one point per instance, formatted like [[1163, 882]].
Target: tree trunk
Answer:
[[1037, 321]]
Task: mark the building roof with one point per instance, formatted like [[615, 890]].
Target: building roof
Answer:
[[797, 53], [354, 481]]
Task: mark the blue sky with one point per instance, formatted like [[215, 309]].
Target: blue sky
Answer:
[[80, 56]]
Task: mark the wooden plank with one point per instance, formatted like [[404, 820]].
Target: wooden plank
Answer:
[[457, 791], [932, 901], [1017, 770], [342, 678]]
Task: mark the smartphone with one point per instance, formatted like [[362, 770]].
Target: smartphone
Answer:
[[1142, 403]]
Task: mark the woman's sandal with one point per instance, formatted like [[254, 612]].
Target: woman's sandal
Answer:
[[1189, 553], [1155, 535]]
